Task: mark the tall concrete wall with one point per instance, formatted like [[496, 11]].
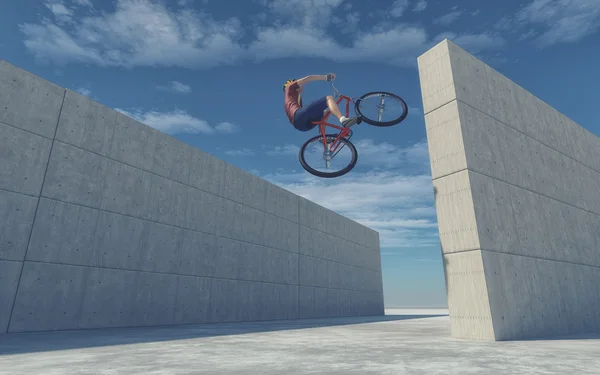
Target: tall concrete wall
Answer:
[[106, 222], [517, 196]]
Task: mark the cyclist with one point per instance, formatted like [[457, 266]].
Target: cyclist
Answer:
[[302, 117]]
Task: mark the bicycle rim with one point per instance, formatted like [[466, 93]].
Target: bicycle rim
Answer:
[[381, 108], [312, 157]]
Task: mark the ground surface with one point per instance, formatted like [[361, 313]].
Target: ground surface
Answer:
[[403, 342]]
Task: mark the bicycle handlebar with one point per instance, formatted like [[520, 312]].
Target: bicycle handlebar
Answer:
[[336, 93]]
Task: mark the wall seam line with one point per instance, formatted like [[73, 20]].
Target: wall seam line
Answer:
[[210, 234], [518, 186], [524, 256], [211, 193], [529, 136], [39, 198], [204, 277]]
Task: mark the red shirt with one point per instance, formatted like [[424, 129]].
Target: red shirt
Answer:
[[291, 103]]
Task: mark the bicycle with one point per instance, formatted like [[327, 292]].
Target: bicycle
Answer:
[[334, 143]]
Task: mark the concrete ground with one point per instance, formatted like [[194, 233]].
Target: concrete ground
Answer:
[[402, 342]]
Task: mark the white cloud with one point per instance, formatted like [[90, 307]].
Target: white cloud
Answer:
[[282, 150], [561, 21], [60, 11], [241, 152], [84, 91], [398, 7], [420, 6], [145, 33], [86, 3], [309, 14], [176, 87], [447, 19], [173, 122], [226, 127], [137, 33], [398, 206], [475, 43], [385, 155], [348, 24]]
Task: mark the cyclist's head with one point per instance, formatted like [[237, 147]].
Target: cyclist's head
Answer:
[[287, 83]]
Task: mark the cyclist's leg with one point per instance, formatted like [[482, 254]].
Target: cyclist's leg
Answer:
[[333, 107], [304, 116], [335, 110]]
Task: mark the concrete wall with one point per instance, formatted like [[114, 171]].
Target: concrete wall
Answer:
[[517, 196], [106, 222]]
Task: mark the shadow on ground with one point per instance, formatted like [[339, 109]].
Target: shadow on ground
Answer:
[[577, 337], [31, 342]]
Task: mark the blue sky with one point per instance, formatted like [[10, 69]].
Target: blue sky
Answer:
[[210, 72]]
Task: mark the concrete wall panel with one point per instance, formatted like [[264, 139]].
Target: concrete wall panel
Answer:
[[249, 297], [444, 138], [127, 190], [456, 213], [253, 261], [63, 233], [519, 222], [29, 102], [435, 74], [199, 253], [306, 302], [161, 248], [108, 299], [255, 193], [119, 241], [86, 124], [9, 279], [280, 233], [281, 203], [24, 159], [207, 173], [467, 295], [172, 159], [134, 143], [75, 176], [222, 305], [154, 299], [49, 297], [280, 266], [135, 228], [167, 201], [17, 212], [193, 299], [201, 211]]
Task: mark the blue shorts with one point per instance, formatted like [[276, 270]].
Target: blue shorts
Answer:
[[304, 116]]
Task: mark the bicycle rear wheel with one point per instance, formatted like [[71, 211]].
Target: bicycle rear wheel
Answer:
[[318, 161], [372, 106]]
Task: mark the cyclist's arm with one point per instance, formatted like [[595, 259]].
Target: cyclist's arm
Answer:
[[307, 79]]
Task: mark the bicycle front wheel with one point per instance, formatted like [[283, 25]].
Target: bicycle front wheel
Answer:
[[330, 159], [381, 108]]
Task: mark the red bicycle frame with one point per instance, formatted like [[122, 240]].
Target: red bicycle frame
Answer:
[[323, 123]]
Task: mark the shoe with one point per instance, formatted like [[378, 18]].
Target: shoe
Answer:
[[349, 122]]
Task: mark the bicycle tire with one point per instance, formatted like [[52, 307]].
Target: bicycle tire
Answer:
[[381, 123], [339, 173]]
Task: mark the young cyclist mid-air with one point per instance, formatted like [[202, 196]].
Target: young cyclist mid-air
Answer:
[[302, 117]]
